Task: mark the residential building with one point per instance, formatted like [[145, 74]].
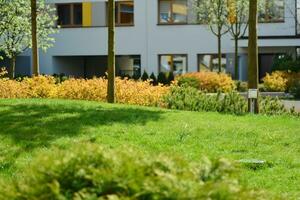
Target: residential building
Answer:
[[157, 36]]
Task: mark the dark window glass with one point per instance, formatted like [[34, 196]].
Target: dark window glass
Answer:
[[69, 14], [64, 14], [128, 66], [77, 14]]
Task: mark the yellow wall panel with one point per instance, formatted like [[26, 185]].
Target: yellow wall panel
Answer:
[[87, 14]]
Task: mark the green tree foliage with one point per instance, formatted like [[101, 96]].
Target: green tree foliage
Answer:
[[286, 63], [15, 28]]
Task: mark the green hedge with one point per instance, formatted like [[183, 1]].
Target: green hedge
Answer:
[[191, 99], [90, 172]]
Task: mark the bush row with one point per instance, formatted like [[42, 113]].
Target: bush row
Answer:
[[93, 172], [183, 97], [188, 98], [127, 91]]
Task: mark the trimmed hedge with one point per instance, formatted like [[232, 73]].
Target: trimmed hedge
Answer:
[[89, 172]]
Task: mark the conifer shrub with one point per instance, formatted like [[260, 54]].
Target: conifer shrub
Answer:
[[170, 78], [188, 98], [145, 76], [92, 172], [153, 79], [162, 78], [191, 99]]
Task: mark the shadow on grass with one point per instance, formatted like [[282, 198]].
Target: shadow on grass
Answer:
[[31, 125]]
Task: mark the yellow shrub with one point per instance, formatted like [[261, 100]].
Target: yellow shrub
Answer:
[[127, 91], [40, 87], [280, 81], [93, 89], [139, 93], [213, 82], [12, 89]]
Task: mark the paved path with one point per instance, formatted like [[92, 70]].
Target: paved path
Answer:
[[291, 104]]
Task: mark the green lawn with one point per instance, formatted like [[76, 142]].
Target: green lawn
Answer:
[[28, 127]]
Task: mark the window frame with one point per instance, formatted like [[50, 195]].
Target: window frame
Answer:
[[172, 55], [224, 55], [71, 5], [118, 18], [171, 9], [272, 20]]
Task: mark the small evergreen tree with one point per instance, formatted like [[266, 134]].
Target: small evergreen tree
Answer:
[[153, 79], [145, 76], [136, 76], [170, 78], [161, 78]]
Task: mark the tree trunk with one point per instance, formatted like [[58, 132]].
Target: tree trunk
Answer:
[[219, 52], [111, 52], [35, 56], [12, 70], [236, 58], [253, 51]]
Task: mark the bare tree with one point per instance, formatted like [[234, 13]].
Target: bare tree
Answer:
[[238, 24], [215, 14], [35, 55], [111, 52], [253, 50]]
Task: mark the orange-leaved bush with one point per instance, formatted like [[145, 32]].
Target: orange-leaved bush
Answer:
[[127, 91], [212, 81], [40, 87], [12, 89], [280, 81]]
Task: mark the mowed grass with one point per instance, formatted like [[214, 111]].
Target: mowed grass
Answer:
[[28, 127]]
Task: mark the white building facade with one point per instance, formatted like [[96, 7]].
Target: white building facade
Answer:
[[157, 36]]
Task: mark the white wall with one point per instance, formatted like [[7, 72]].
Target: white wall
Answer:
[[148, 39]]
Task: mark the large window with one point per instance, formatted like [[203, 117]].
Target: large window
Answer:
[[298, 17], [173, 11], [128, 65], [210, 62], [173, 63], [125, 13], [69, 14], [272, 11]]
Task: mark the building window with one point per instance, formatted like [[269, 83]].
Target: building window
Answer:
[[173, 11], [272, 11], [210, 62], [173, 63], [124, 13], [128, 65], [298, 17], [69, 14]]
